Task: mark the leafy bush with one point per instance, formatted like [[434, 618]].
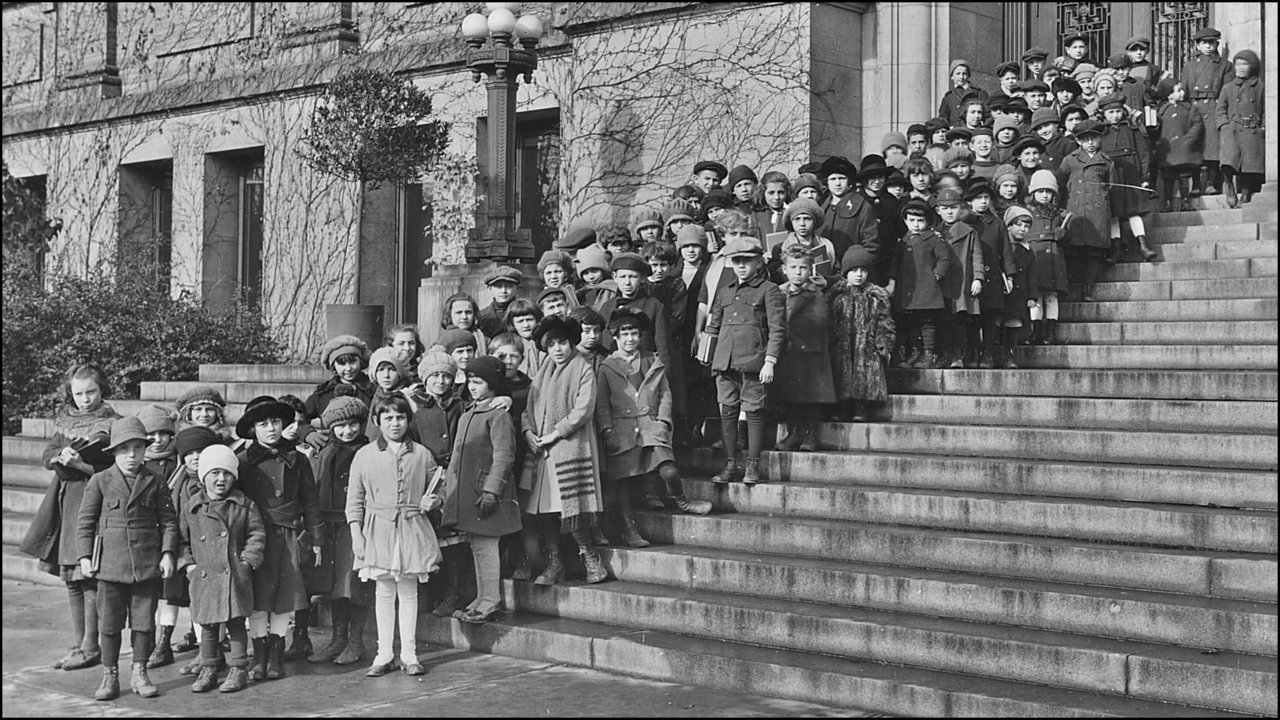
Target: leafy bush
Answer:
[[127, 326]]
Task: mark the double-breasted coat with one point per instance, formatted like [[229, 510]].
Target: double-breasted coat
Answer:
[[850, 220], [484, 460], [862, 333], [1085, 182], [225, 539], [968, 265], [1203, 78], [997, 258], [657, 338], [1047, 235], [750, 319], [1055, 151], [922, 258], [1127, 146], [890, 228], [1015, 303], [385, 495], [638, 413], [1239, 119], [279, 481], [335, 576], [136, 521], [436, 420], [1181, 137], [804, 370]]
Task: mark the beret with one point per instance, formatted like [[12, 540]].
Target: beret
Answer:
[[576, 238], [491, 370], [218, 457], [343, 345], [803, 206], [455, 338], [710, 165], [691, 235], [555, 257], [156, 419], [435, 361], [503, 273], [631, 261], [936, 124], [956, 156], [855, 257], [344, 408], [194, 439]]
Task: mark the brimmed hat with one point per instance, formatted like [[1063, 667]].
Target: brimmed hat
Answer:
[[956, 156], [1043, 180], [156, 419], [1089, 127], [742, 246], [562, 291], [592, 256], [503, 274], [1024, 142], [218, 457], [194, 439], [344, 345], [838, 165], [630, 261], [1015, 212], [1207, 33], [691, 235], [200, 395], [554, 327], [125, 429], [455, 338], [897, 178], [576, 238], [873, 166], [556, 257], [261, 408], [491, 370], [1005, 122], [806, 180], [1033, 53], [802, 206], [388, 355], [434, 361], [710, 165], [1114, 99], [628, 316], [643, 218], [855, 257], [740, 173], [948, 197], [893, 138], [1044, 116], [344, 408]]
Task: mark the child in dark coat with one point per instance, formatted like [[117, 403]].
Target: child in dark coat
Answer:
[[923, 261], [998, 269], [1241, 124], [162, 459], [667, 286], [1128, 147], [1180, 150], [1048, 235], [963, 285], [804, 370], [1017, 316], [862, 336], [1087, 176], [184, 486], [629, 272], [223, 541], [502, 283]]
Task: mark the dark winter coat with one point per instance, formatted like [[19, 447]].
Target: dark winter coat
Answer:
[[639, 417], [924, 261], [1203, 78], [967, 265], [890, 228], [184, 487], [1085, 183], [850, 220], [280, 482], [1046, 237], [1241, 125], [315, 404], [492, 320], [749, 318], [997, 258], [332, 471], [1181, 136], [674, 297], [862, 334], [484, 456], [225, 540], [804, 370], [949, 108], [137, 525], [657, 338], [1128, 148], [1015, 303], [436, 422], [766, 223], [1055, 151]]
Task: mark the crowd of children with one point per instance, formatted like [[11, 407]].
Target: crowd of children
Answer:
[[527, 424]]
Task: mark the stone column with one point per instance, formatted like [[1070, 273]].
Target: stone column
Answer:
[[902, 72], [468, 278], [1253, 26]]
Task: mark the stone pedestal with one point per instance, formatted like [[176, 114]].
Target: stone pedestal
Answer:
[[468, 278]]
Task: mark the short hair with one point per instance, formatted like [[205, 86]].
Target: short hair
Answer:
[[505, 339], [446, 321], [773, 176], [83, 371], [614, 234], [519, 308], [795, 252], [920, 165], [691, 193], [390, 335], [660, 250], [732, 220], [299, 408], [390, 401], [587, 315]]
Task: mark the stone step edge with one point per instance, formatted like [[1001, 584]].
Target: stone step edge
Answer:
[[945, 378]]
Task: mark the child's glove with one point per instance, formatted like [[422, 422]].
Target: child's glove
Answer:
[[487, 503], [610, 441], [975, 288]]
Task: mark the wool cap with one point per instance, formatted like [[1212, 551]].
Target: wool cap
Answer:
[[346, 407], [1137, 41], [897, 178], [1008, 176], [218, 457], [1044, 116], [1009, 66], [1108, 74], [997, 102], [916, 129], [344, 345], [554, 327], [643, 218], [1073, 107], [1035, 53], [1066, 42], [1024, 142], [742, 246], [959, 132], [976, 186], [956, 156], [738, 174], [125, 429], [803, 206], [1250, 57], [855, 257], [1164, 88], [719, 169], [628, 316], [156, 419], [556, 257], [503, 274], [919, 205], [948, 197], [1043, 180], [562, 291], [892, 138], [936, 124], [194, 439], [1084, 71], [691, 235], [576, 238], [262, 408], [873, 166], [838, 165], [200, 395], [1089, 127], [434, 361], [1118, 61], [631, 261], [1064, 83], [491, 370], [675, 208], [387, 355], [806, 180], [1017, 105], [592, 256], [957, 63], [1015, 212], [717, 199], [1207, 33], [1114, 99], [981, 131], [1029, 85], [455, 338]]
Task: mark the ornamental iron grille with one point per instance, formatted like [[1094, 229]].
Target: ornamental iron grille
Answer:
[[1093, 20], [1174, 25]]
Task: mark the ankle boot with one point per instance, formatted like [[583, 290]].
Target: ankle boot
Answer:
[[596, 571], [751, 475], [1147, 253], [237, 680], [808, 437], [301, 646], [1116, 252], [1051, 333], [449, 603], [1246, 194], [692, 507], [140, 683], [1008, 358], [354, 651], [523, 571], [651, 495], [189, 642], [163, 654], [206, 680], [275, 657], [335, 646], [110, 687], [728, 473], [1229, 191], [554, 572], [1086, 293], [1184, 189], [630, 535], [258, 669]]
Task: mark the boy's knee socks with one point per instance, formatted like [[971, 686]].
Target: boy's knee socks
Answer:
[[111, 649], [755, 433], [929, 335], [729, 429], [143, 644]]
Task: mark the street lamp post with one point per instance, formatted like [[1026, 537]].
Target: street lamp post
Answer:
[[491, 54]]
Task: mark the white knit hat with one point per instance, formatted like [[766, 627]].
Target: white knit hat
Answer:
[[217, 457]]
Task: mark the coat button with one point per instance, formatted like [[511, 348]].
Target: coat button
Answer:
[[223, 533], [202, 537], [204, 574]]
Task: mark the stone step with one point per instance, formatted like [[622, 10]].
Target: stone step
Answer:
[[15, 527], [305, 374], [1138, 384], [24, 450], [1266, 198], [1189, 450], [1173, 526], [1251, 213], [232, 392], [1150, 357], [23, 500], [861, 686], [21, 474], [1228, 289], [1194, 332], [1149, 617], [1169, 310], [1236, 416], [1201, 270], [1226, 680], [1206, 574], [1203, 251], [1201, 233], [24, 568]]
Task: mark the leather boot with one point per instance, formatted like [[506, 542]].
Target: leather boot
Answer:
[[523, 571], [334, 647], [1184, 189], [630, 535], [751, 475], [110, 687], [554, 571], [206, 680], [808, 437], [692, 507], [258, 668], [237, 680], [163, 654], [652, 501], [596, 571], [301, 646], [1229, 191], [1246, 194], [140, 683], [275, 657], [189, 642], [354, 651], [1037, 333], [452, 577], [1051, 332], [1147, 253], [730, 472]]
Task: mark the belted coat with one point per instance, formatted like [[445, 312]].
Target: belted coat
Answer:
[[225, 539], [967, 265], [385, 495], [137, 525], [1240, 120], [1127, 146], [280, 482], [1085, 183], [1181, 136], [484, 460], [922, 258], [750, 319], [1203, 78], [804, 370]]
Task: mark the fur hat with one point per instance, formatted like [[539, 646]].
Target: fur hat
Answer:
[[125, 429], [455, 338], [1043, 180], [691, 235], [434, 361], [956, 156], [344, 345], [1067, 83], [344, 408], [387, 355], [675, 208], [891, 139], [838, 165], [801, 206], [1044, 116], [156, 419], [1015, 212], [503, 273], [738, 174], [194, 439], [261, 408], [628, 316], [491, 370], [593, 256], [630, 261], [218, 457], [554, 327], [576, 238], [855, 257], [710, 165], [643, 218], [200, 395], [556, 257], [806, 180]]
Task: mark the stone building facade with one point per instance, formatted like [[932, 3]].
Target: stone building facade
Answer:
[[167, 133]]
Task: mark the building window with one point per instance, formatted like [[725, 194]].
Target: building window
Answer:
[[251, 197], [1174, 25], [145, 222], [1093, 19], [231, 252]]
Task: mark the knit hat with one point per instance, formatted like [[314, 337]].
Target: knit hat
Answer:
[[491, 370], [194, 439], [343, 345], [802, 206], [631, 261], [1006, 122], [503, 274], [344, 408], [806, 180], [455, 338], [556, 257], [1043, 180], [262, 408], [691, 235], [387, 355], [738, 174], [554, 327], [156, 419], [716, 199], [1084, 71], [562, 291], [643, 218], [1015, 212], [628, 316], [710, 165], [200, 395], [1089, 127], [1008, 176], [592, 256], [125, 429], [855, 257], [976, 186], [218, 457], [948, 197], [957, 63], [956, 156], [435, 361], [891, 139], [1044, 116]]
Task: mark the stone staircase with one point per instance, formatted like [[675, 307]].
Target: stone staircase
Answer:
[[1093, 534]]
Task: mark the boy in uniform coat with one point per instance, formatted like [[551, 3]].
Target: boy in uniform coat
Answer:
[[1203, 78], [1240, 121]]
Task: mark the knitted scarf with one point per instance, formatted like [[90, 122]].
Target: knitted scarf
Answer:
[[75, 423], [564, 396], [164, 453]]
